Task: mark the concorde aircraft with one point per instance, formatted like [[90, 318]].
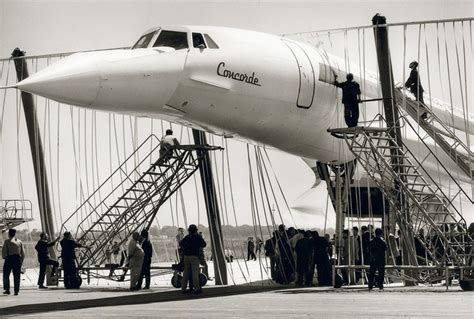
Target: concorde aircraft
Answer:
[[259, 87]]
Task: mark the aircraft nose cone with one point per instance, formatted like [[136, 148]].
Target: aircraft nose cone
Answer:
[[73, 80]]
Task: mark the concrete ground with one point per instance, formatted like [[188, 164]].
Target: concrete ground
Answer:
[[252, 296], [261, 301]]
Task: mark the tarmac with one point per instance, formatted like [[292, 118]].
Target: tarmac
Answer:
[[249, 297], [259, 300]]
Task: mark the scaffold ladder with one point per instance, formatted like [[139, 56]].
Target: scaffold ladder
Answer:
[[428, 205], [141, 196], [441, 133]]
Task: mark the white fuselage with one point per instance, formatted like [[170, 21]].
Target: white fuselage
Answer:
[[254, 86]]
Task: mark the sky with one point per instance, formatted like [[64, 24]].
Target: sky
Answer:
[[42, 27]]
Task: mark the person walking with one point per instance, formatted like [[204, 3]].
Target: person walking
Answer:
[[251, 249], [191, 245], [135, 260], [13, 254], [350, 99], [377, 249], [42, 248], [413, 83], [146, 266]]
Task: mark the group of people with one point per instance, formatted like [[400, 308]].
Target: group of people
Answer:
[[295, 254], [254, 248], [351, 94], [368, 248]]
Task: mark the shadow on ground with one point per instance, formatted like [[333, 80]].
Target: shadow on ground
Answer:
[[135, 298]]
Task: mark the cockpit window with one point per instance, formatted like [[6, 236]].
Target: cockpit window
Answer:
[[173, 39], [198, 40], [144, 40], [210, 43]]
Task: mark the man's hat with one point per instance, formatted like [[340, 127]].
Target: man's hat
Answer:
[[192, 228], [413, 64]]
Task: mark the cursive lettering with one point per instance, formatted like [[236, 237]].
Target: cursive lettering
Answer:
[[242, 77]]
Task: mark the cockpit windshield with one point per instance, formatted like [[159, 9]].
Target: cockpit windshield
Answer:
[[173, 39], [144, 41]]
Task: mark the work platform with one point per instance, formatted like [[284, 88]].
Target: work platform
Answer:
[[14, 212]]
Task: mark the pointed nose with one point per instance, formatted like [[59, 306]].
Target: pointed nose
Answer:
[[73, 80]]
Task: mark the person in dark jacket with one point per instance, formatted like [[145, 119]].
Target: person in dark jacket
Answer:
[[68, 257], [377, 249], [367, 234], [304, 252], [270, 245], [191, 246], [350, 99], [42, 247], [413, 83], [251, 249], [148, 252]]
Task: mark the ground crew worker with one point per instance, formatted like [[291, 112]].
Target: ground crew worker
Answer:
[[191, 245], [43, 258], [135, 260], [251, 249], [14, 254], [413, 83], [68, 257], [167, 143], [377, 249], [203, 262], [304, 252], [148, 252], [350, 99]]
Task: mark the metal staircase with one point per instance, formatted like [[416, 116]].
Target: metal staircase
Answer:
[[412, 190], [136, 196], [441, 133]]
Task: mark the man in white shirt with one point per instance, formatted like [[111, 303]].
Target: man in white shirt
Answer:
[[14, 254]]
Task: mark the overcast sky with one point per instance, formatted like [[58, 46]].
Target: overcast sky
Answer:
[[42, 26]]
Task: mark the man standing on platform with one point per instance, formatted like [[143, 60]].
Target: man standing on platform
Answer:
[[42, 247], [350, 99], [148, 252], [377, 249], [14, 254], [192, 245]]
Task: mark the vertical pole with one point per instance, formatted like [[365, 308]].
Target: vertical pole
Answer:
[[36, 147], [339, 214], [213, 216], [393, 123]]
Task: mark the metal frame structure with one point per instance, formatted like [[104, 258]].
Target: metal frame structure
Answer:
[[142, 195]]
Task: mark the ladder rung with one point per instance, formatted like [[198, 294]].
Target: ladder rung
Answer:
[[128, 198], [120, 206], [154, 173], [146, 182]]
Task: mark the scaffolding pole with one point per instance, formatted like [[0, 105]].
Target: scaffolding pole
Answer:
[[393, 125], [212, 207]]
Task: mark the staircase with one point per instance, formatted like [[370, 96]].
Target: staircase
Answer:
[[441, 133], [409, 188], [137, 195]]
